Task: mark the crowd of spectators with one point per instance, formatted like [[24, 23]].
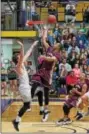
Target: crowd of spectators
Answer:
[[74, 55]]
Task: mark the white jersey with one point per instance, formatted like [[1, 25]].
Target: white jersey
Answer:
[[24, 79], [24, 87]]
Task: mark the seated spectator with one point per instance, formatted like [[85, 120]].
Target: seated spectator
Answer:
[[81, 45], [52, 11], [86, 15], [87, 60], [51, 38], [87, 79], [82, 62], [57, 32], [70, 13], [71, 80], [81, 36], [72, 29], [83, 68], [33, 16], [64, 54], [74, 48], [87, 70], [72, 58], [83, 28], [77, 71], [66, 65]]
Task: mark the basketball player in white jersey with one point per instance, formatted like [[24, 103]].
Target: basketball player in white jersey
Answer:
[[24, 87]]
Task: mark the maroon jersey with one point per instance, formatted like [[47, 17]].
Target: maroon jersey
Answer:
[[56, 54], [43, 75]]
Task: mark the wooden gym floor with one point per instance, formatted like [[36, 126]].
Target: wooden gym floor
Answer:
[[31, 122]]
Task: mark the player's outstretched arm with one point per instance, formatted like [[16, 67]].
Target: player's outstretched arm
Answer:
[[44, 36], [21, 52], [49, 59], [28, 53]]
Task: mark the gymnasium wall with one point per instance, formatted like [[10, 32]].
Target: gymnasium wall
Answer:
[[8, 45]]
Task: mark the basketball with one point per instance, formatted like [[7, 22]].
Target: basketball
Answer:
[[52, 19]]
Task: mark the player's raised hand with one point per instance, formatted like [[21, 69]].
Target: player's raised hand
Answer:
[[35, 43], [20, 43]]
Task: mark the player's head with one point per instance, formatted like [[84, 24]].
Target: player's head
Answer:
[[57, 46], [82, 76], [16, 58]]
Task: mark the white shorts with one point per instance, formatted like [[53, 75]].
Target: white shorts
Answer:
[[25, 92], [39, 89]]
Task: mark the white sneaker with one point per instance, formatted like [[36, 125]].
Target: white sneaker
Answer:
[[28, 110], [63, 122], [45, 116], [67, 121], [60, 122], [87, 113]]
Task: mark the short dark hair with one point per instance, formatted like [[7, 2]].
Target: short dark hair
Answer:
[[15, 59]]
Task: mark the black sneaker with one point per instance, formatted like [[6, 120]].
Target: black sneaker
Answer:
[[15, 124], [45, 116], [41, 112], [67, 121], [60, 122], [79, 117]]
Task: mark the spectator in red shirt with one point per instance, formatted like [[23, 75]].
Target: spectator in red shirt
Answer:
[[71, 80]]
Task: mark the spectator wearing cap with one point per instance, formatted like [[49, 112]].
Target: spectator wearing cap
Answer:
[[71, 80]]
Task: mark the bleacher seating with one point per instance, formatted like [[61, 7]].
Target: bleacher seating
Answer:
[[61, 17], [79, 17], [80, 9]]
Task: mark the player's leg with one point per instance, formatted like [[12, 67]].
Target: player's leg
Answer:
[[40, 100], [46, 99], [20, 114], [65, 119], [82, 103]]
